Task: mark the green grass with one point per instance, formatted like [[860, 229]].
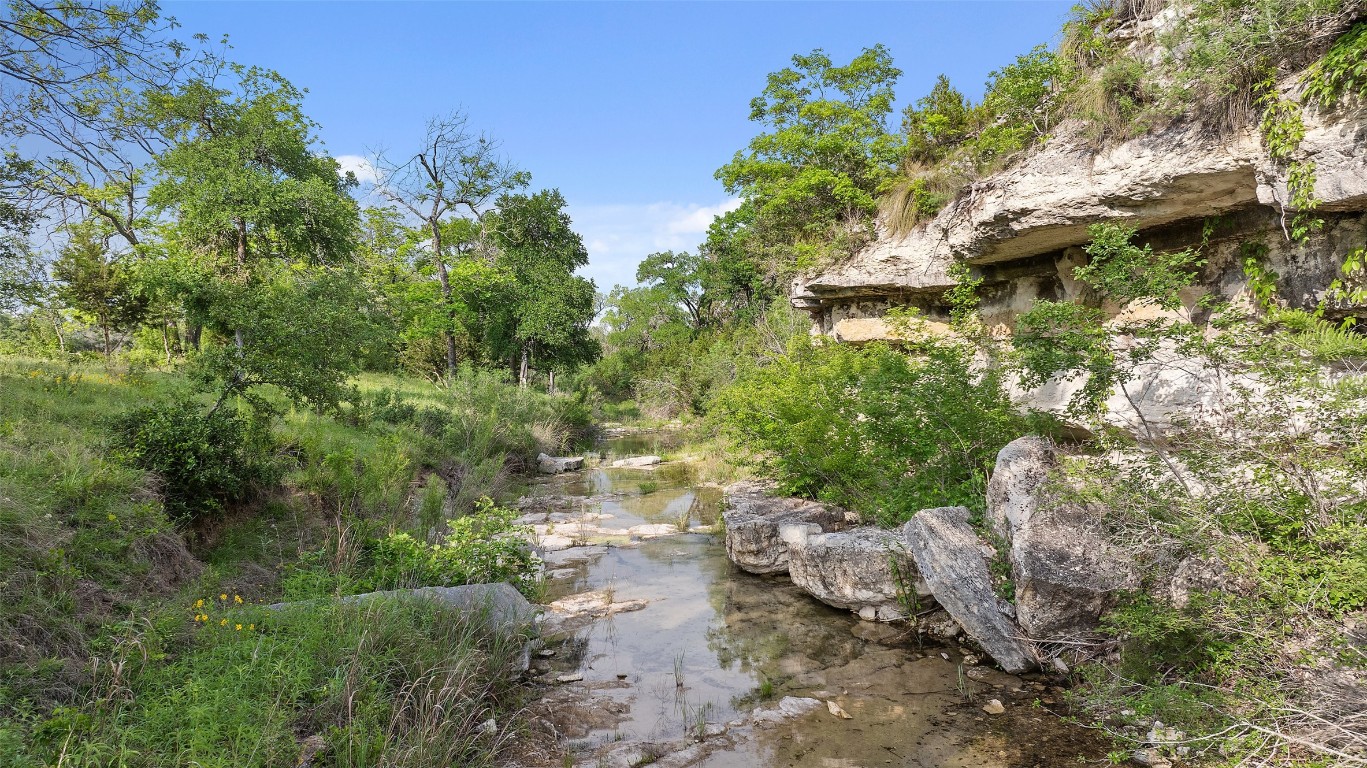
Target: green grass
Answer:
[[101, 661]]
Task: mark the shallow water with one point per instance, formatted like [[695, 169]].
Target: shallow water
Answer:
[[713, 643]]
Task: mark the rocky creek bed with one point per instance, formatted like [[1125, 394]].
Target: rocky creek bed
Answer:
[[658, 650]]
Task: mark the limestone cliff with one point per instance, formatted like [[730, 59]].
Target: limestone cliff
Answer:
[[1021, 229]]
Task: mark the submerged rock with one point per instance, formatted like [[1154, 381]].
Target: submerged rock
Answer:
[[865, 570], [555, 465], [1065, 570], [754, 519], [946, 551]]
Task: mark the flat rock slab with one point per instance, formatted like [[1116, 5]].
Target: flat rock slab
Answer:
[[946, 551], [500, 606], [754, 520], [866, 570], [637, 462]]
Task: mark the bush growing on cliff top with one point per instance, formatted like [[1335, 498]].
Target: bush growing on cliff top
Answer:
[[872, 428]]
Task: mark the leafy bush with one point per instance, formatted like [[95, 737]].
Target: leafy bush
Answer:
[[481, 547], [873, 428], [203, 460]]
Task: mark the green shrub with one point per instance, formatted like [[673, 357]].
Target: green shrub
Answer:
[[203, 461], [873, 428], [482, 547]]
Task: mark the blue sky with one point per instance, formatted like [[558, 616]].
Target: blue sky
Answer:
[[627, 107]]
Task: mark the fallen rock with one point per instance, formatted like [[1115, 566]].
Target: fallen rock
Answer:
[[1065, 570], [636, 462], [866, 570], [838, 711], [555, 465], [994, 707], [946, 551], [753, 519]]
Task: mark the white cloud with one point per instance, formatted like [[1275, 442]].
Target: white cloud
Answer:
[[365, 172], [619, 236]]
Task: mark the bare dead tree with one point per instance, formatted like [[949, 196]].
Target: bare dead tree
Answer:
[[457, 173]]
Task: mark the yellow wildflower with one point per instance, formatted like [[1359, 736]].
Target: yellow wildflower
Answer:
[[223, 596], [238, 627], [251, 627], [199, 603], [112, 517], [222, 622], [237, 599]]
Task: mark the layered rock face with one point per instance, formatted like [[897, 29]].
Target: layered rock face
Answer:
[[1064, 568], [755, 520], [1021, 228], [865, 570]]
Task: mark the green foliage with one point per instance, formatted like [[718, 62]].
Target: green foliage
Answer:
[[1283, 129], [385, 683], [1065, 338], [1341, 71], [936, 123], [1021, 94], [547, 311], [94, 283], [872, 428], [1123, 271], [484, 546], [827, 150], [203, 462], [304, 331]]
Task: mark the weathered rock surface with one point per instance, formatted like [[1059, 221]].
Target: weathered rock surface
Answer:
[[946, 551], [555, 465], [1046, 202], [636, 462], [754, 521], [1065, 570], [500, 605], [865, 570]]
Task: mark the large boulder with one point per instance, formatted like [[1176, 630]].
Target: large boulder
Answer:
[[947, 554], [555, 465], [500, 606], [754, 519], [1065, 570], [865, 570]]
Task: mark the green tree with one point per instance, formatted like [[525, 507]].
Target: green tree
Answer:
[[678, 277], [94, 283], [937, 123], [827, 149], [547, 310], [261, 222]]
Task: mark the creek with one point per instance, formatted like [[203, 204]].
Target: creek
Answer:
[[680, 648]]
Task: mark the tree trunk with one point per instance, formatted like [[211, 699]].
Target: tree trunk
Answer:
[[242, 264], [192, 335], [166, 340], [57, 329], [104, 331], [550, 388], [522, 371], [439, 261]]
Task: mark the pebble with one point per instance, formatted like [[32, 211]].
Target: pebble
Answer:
[[570, 678], [994, 707]]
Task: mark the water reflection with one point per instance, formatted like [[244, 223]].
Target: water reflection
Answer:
[[715, 642]]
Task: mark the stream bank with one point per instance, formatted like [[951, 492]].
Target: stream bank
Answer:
[[657, 650]]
